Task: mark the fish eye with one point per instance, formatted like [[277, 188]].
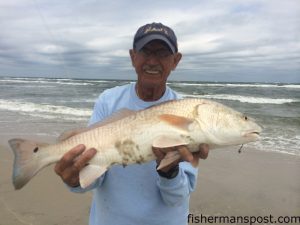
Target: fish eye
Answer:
[[245, 117]]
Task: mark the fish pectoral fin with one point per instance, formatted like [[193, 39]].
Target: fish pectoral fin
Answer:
[[176, 121], [166, 141], [89, 174], [169, 158]]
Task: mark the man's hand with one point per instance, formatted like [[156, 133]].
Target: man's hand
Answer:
[[185, 154], [72, 162]]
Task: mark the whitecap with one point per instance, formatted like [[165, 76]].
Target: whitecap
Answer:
[[44, 109], [245, 99]]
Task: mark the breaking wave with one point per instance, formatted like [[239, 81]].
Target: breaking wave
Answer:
[[295, 86], [45, 81], [45, 110], [246, 99]]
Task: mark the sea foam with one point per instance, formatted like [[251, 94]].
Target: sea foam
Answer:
[[254, 85], [43, 110], [246, 99]]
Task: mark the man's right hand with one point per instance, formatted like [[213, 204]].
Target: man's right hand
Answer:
[[72, 162]]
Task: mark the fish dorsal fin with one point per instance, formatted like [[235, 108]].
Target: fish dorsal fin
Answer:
[[120, 114], [166, 141], [176, 121], [114, 117], [69, 133]]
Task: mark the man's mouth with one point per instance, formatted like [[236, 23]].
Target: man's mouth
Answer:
[[153, 72]]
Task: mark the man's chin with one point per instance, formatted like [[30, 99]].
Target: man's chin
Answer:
[[152, 82], [152, 75]]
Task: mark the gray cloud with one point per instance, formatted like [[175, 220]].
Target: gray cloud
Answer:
[[244, 41]]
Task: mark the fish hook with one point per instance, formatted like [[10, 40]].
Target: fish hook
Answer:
[[240, 149]]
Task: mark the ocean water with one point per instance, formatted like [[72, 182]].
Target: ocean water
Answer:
[[41, 106]]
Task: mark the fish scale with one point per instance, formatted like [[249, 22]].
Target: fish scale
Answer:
[[128, 137]]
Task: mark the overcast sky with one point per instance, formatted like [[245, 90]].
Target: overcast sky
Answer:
[[221, 40]]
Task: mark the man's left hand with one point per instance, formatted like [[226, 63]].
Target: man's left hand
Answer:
[[185, 155]]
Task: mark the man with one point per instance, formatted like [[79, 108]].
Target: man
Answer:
[[139, 194]]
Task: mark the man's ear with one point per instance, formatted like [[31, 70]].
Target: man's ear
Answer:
[[132, 56], [177, 58]]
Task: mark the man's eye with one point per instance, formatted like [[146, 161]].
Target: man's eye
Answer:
[[163, 53], [145, 51]]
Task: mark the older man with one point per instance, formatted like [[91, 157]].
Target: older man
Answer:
[[139, 194]]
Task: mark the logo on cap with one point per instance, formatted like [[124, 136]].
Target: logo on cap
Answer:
[[153, 29]]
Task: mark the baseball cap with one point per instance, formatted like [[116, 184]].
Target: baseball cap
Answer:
[[155, 31]]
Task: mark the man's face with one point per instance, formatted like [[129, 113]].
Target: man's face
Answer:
[[153, 63]]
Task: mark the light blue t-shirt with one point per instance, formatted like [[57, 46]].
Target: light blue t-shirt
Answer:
[[136, 194]]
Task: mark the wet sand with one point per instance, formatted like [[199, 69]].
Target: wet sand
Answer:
[[44, 200], [252, 183]]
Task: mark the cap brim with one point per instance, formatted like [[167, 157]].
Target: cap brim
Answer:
[[141, 43]]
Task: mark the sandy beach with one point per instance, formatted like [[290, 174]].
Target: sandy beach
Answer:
[[45, 200], [253, 183]]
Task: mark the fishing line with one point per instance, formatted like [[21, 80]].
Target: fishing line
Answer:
[[53, 39], [13, 213], [56, 42]]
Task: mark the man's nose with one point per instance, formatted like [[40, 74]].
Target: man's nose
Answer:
[[152, 59]]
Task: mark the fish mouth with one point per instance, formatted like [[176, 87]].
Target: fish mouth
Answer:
[[254, 134]]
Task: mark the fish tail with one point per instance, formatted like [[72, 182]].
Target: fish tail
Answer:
[[27, 161]]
